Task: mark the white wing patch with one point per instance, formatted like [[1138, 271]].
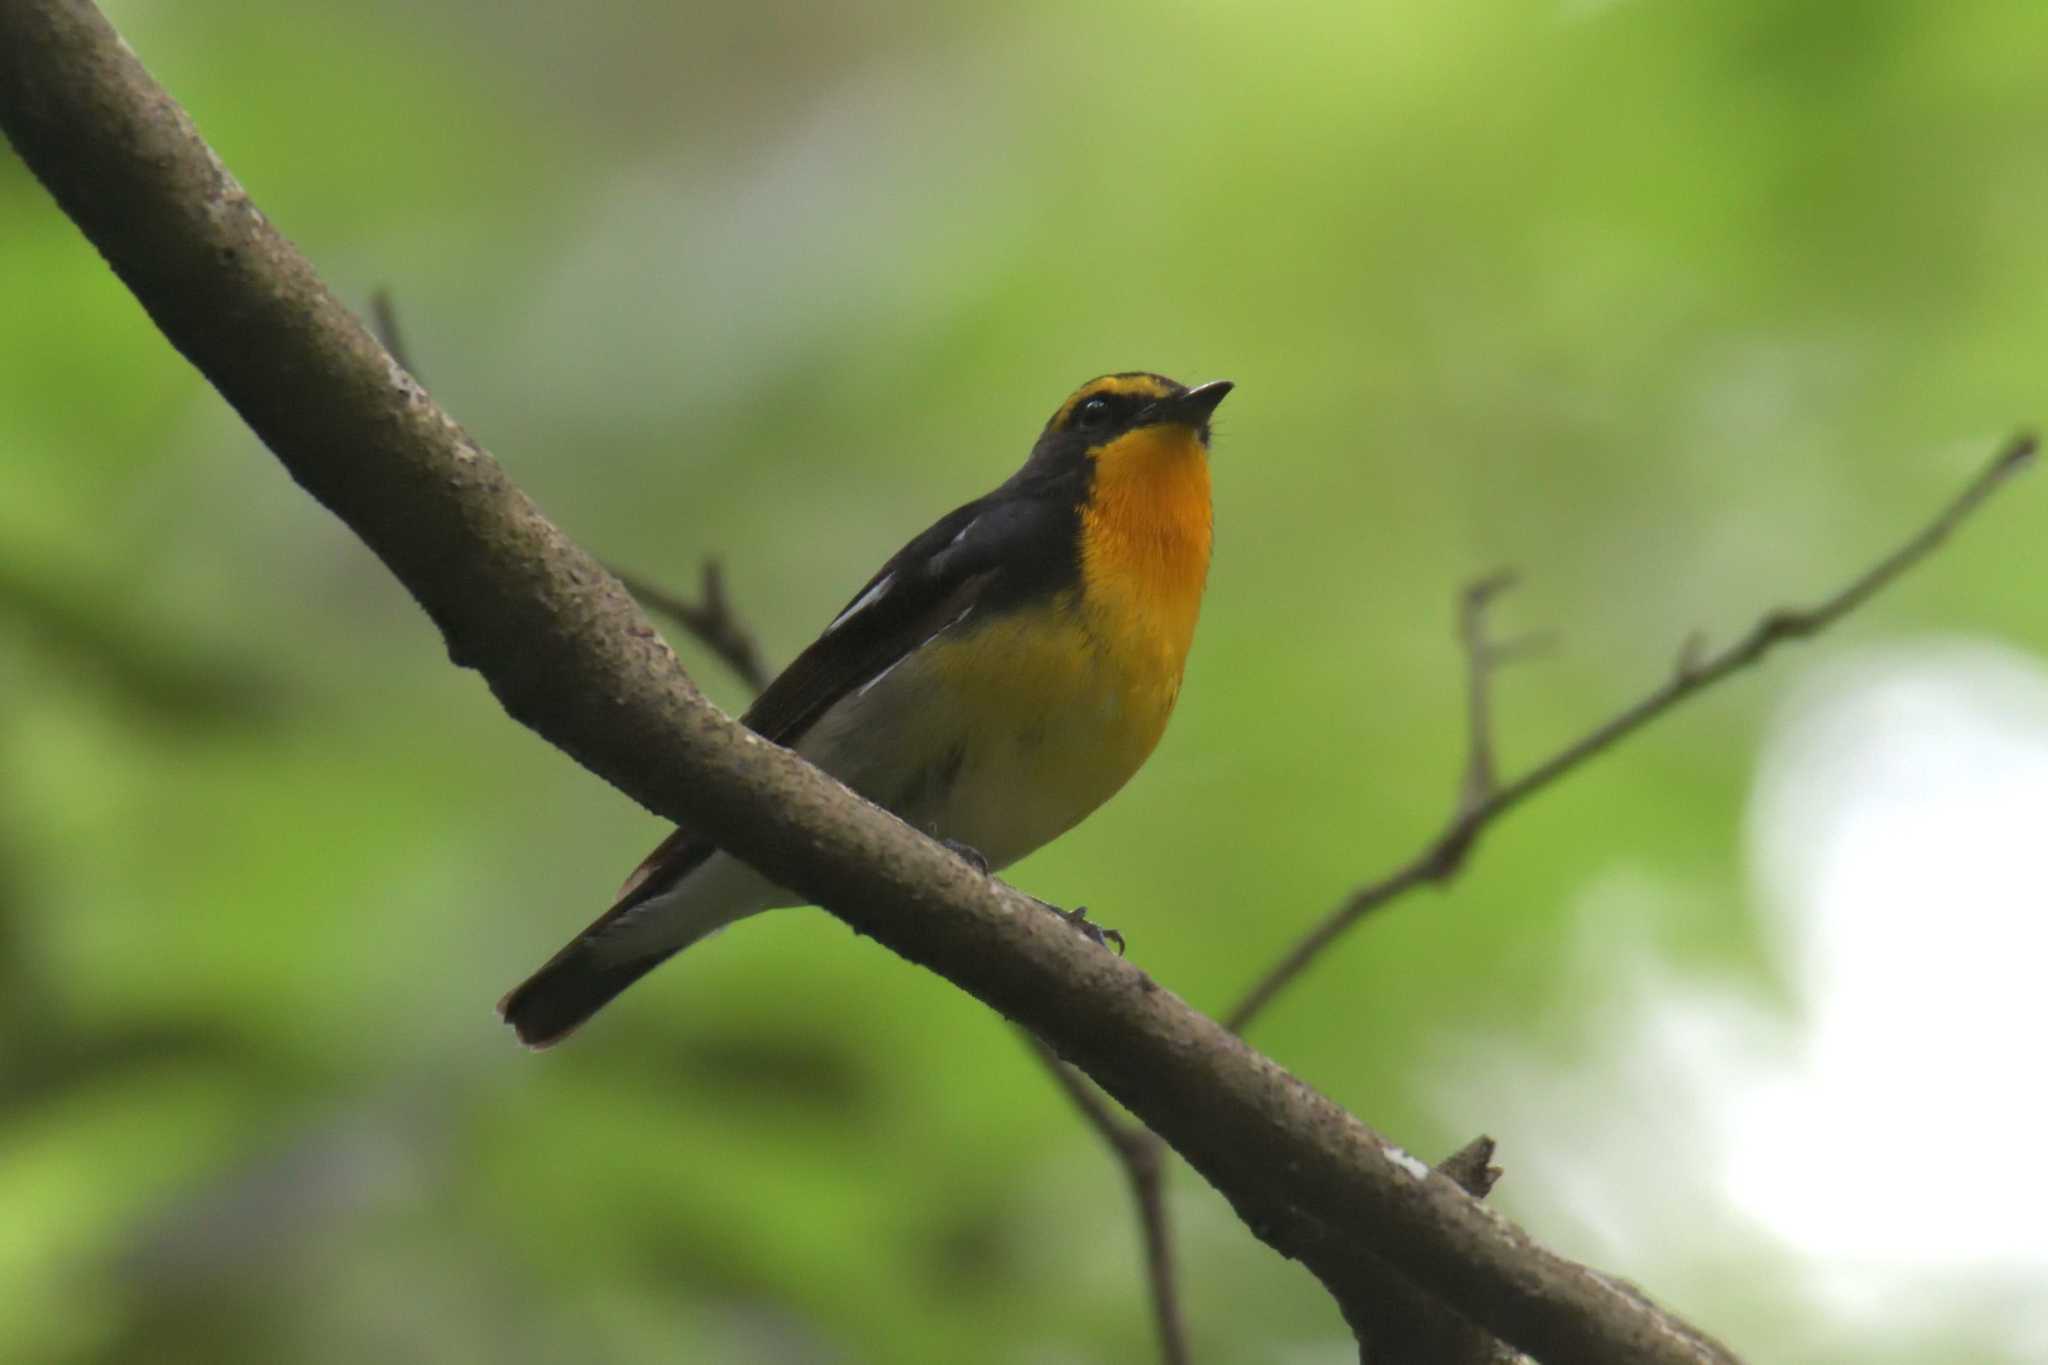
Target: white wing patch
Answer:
[[870, 683], [868, 686], [861, 603]]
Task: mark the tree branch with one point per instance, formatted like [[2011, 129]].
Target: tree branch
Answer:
[[1481, 801], [567, 653], [1142, 1155], [711, 620]]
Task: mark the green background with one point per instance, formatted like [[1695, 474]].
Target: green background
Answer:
[[1685, 310]]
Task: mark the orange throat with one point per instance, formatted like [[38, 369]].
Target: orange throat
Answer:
[[1145, 537]]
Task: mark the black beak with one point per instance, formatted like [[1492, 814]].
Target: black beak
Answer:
[[1189, 407]]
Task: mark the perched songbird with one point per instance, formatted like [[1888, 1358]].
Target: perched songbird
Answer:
[[1001, 677]]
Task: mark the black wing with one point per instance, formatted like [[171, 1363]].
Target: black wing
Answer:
[[995, 550], [1001, 549]]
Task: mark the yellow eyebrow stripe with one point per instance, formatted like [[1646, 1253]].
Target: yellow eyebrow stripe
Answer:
[[1139, 384]]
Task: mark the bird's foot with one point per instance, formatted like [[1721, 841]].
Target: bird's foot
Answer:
[[969, 854], [1076, 917], [1088, 928]]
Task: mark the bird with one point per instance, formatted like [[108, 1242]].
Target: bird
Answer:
[[998, 679]]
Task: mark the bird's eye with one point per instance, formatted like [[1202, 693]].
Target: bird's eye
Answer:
[[1092, 413]]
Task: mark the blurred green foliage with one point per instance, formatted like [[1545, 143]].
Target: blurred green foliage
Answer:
[[1686, 310]]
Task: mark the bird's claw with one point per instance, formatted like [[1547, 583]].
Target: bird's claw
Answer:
[[1076, 917], [1088, 928], [969, 854]]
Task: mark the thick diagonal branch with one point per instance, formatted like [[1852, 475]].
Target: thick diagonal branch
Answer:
[[565, 651]]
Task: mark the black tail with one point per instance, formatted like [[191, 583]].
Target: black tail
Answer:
[[582, 979], [578, 982]]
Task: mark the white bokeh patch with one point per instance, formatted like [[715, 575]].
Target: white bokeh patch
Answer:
[[1844, 1167]]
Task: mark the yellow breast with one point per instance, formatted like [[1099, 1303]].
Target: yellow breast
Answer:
[[1053, 708]]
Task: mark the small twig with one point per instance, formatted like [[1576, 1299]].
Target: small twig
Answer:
[[1471, 1166], [1141, 1153], [1696, 670], [1397, 1323], [384, 322], [711, 620], [1481, 658]]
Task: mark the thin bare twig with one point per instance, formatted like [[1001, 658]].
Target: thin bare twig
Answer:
[[1481, 657], [710, 619], [1695, 671], [384, 323], [1141, 1153]]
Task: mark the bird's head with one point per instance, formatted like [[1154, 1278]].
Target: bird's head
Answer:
[[1109, 420]]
